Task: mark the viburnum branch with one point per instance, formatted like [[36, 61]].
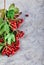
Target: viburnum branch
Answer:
[[5, 8], [4, 4], [10, 30]]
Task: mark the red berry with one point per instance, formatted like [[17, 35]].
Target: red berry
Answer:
[[18, 25], [17, 43], [13, 24], [3, 51], [13, 44], [1, 40], [17, 37], [7, 52], [16, 49], [20, 33], [20, 21], [9, 48], [13, 53]]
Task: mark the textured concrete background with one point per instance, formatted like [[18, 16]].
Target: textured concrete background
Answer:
[[32, 45]]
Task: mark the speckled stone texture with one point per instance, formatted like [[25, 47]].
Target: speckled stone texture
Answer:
[[32, 44]]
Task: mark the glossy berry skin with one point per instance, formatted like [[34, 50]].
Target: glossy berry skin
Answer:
[[20, 34], [17, 46], [17, 36], [3, 51], [13, 24], [11, 49], [8, 52], [17, 43], [20, 21], [1, 40], [13, 45]]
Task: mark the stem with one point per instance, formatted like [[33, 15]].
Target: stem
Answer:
[[4, 4], [5, 8]]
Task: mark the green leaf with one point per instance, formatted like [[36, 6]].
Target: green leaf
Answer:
[[13, 37], [1, 46], [10, 14], [6, 36], [10, 38], [12, 6], [2, 13], [1, 25], [16, 10], [6, 27], [1, 21], [1, 31], [12, 11]]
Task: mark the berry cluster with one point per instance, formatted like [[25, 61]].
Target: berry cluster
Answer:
[[15, 46], [9, 30], [10, 34], [11, 49], [15, 23]]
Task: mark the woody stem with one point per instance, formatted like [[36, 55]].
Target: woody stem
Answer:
[[5, 7]]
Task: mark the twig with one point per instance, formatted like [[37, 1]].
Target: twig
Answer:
[[4, 4], [5, 8]]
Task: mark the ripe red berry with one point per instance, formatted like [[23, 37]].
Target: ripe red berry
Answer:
[[7, 52], [13, 51], [20, 21], [13, 24], [1, 40], [3, 51], [9, 48], [13, 44], [18, 25], [17, 36], [20, 33], [17, 48], [17, 43]]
